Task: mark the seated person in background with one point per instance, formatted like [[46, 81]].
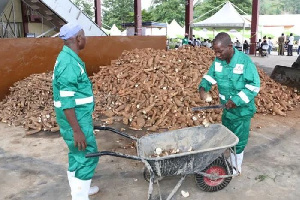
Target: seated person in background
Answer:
[[208, 44], [264, 48], [246, 47], [238, 45], [258, 45], [204, 43]]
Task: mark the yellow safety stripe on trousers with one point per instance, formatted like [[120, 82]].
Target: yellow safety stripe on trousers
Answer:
[[252, 88], [81, 101], [243, 96], [210, 79]]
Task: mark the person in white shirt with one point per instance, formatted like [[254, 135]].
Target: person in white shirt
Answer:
[[270, 43], [208, 44], [290, 45], [204, 43]]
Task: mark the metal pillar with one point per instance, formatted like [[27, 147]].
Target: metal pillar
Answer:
[[254, 25], [24, 18], [98, 18], [137, 17], [188, 16]]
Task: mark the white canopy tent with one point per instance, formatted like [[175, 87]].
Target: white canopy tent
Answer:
[[174, 30], [227, 17], [114, 31]]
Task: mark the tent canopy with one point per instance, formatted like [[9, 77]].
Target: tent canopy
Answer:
[[226, 17], [175, 30]]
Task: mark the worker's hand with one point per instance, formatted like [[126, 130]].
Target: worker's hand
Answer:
[[230, 104], [203, 94], [79, 139]]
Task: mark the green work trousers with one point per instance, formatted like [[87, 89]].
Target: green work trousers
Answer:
[[84, 167], [240, 127]]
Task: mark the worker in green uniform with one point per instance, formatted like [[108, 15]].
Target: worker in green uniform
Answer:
[[238, 83], [74, 104], [185, 40]]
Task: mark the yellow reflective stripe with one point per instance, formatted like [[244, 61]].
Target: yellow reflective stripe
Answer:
[[84, 100], [210, 79], [243, 96], [66, 93], [252, 88]]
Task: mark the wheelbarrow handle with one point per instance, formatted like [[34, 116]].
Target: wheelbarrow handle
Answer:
[[105, 128], [111, 153]]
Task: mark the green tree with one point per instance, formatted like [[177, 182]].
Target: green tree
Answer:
[[117, 12], [147, 16], [209, 7], [278, 7], [86, 7], [167, 10]]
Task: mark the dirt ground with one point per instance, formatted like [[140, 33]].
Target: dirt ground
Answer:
[[35, 167]]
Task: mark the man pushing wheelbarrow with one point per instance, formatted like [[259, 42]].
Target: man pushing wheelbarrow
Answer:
[[238, 83]]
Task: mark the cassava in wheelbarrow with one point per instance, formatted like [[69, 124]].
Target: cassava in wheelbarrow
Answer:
[[201, 153]]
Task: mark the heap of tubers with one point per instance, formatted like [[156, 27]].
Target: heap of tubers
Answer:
[[155, 89], [144, 88], [30, 104]]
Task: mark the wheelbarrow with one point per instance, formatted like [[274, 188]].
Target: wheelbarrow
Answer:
[[201, 153]]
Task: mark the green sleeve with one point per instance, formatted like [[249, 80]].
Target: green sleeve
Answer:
[[68, 86], [208, 79], [251, 88]]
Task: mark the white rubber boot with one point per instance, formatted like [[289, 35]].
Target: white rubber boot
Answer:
[[70, 177], [93, 190], [80, 189], [237, 164]]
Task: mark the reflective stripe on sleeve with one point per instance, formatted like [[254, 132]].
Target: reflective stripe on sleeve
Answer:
[[243, 96], [57, 104], [222, 97], [210, 79], [252, 88], [84, 100], [66, 93]]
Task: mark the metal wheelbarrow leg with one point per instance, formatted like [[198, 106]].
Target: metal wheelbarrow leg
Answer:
[[120, 155]]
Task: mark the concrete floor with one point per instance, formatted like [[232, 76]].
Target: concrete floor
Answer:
[[268, 63], [35, 167]]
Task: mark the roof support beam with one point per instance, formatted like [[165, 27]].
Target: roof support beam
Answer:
[[188, 17], [98, 18], [138, 17], [254, 23]]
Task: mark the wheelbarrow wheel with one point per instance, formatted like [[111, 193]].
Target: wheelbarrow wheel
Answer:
[[147, 176], [217, 167]]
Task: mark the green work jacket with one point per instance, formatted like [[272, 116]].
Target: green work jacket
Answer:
[[72, 89], [185, 41], [238, 81]]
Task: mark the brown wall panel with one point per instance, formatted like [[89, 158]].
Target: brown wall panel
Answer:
[[22, 57]]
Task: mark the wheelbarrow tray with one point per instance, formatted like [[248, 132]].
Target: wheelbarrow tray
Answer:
[[207, 145]]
